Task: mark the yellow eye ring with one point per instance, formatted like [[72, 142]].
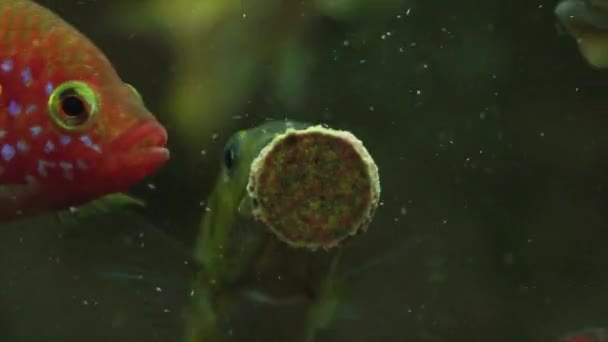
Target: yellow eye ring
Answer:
[[72, 105]]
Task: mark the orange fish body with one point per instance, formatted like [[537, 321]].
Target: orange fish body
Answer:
[[70, 129]]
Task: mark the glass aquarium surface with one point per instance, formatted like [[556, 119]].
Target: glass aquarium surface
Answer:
[[303, 170]]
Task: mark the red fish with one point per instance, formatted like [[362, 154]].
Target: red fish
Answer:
[[70, 129]]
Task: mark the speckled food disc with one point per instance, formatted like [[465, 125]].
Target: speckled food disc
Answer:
[[314, 187]]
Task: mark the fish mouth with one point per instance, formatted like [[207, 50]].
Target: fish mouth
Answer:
[[582, 14], [146, 137], [141, 150]]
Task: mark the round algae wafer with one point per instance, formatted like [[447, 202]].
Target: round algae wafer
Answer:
[[314, 187]]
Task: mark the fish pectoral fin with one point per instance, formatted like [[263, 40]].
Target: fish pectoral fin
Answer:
[[116, 200], [22, 200], [245, 208]]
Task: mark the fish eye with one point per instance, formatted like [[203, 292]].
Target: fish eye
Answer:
[[231, 151], [229, 156], [134, 90], [72, 105]]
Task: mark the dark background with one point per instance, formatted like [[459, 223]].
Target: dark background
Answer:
[[488, 128]]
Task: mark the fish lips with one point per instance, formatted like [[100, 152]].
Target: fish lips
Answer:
[[583, 14], [139, 152]]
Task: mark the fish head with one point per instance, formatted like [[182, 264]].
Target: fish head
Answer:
[[69, 124], [99, 138], [239, 152]]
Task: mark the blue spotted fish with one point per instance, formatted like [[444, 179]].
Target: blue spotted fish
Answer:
[[70, 129]]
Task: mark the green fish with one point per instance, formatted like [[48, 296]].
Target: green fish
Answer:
[[253, 282], [587, 22]]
